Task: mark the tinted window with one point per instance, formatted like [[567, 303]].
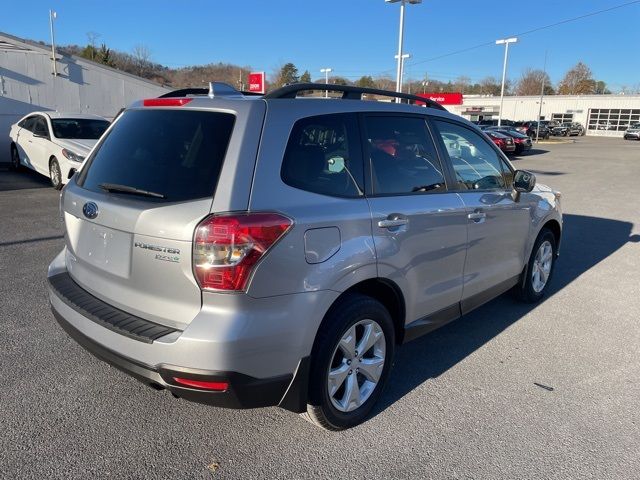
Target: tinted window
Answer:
[[323, 156], [40, 127], [84, 128], [403, 157], [28, 123], [477, 165], [176, 153]]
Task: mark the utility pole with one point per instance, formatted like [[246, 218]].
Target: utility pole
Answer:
[[52, 16]]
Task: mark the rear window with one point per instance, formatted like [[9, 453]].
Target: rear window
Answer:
[[177, 154], [83, 128]]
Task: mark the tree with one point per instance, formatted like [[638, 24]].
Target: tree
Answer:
[[601, 88], [305, 77], [577, 81], [489, 86], [366, 81], [104, 56], [141, 56], [531, 82], [92, 37], [339, 81], [461, 84], [288, 73]]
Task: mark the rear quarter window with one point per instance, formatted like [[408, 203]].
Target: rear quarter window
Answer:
[[323, 156], [176, 153]]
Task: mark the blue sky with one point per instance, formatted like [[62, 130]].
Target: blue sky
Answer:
[[354, 37]]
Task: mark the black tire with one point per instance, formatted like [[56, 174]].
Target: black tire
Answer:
[[349, 312], [15, 158], [525, 290], [55, 174]]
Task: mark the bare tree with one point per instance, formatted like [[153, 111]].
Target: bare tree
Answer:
[[142, 57], [531, 82], [461, 84], [489, 86], [577, 81], [92, 37]]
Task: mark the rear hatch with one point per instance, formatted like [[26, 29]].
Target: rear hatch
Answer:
[[131, 213]]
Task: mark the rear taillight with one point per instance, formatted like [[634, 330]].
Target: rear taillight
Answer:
[[226, 248], [202, 385], [165, 102]]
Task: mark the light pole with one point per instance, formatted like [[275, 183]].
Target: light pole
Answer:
[[544, 69], [326, 79], [400, 40], [52, 16], [506, 42], [402, 59]]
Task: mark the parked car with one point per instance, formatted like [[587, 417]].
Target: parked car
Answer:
[[494, 122], [568, 129], [54, 144], [229, 249], [530, 129], [503, 141], [505, 128], [522, 142], [633, 132]]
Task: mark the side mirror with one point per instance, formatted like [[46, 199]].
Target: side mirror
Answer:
[[40, 135], [523, 181]]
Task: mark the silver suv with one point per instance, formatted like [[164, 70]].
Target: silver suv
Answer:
[[247, 251]]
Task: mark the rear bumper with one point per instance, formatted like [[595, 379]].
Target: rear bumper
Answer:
[[243, 391], [259, 346]]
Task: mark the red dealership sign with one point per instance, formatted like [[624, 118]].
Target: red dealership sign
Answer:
[[256, 82], [454, 98]]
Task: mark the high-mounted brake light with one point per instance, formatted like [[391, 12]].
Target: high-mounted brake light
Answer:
[[165, 102], [226, 248], [202, 385]]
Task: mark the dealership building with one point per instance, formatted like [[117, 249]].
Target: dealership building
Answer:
[[605, 115]]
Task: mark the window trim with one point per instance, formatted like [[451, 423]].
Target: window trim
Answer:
[[369, 193], [350, 116], [501, 156]]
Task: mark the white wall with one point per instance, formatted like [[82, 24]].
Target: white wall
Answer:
[[27, 84]]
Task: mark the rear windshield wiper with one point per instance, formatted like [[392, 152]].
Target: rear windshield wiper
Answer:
[[115, 187]]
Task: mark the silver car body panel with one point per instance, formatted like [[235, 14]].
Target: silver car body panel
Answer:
[[334, 244]]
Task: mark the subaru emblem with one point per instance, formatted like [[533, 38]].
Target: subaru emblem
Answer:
[[90, 210]]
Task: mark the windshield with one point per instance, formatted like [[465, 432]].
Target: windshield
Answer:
[[175, 154], [81, 128]]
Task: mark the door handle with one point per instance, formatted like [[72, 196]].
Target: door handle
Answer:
[[477, 216], [394, 220]]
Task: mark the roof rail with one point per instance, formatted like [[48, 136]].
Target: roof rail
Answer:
[[216, 89], [348, 93]]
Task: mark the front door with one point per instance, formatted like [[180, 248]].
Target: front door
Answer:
[[498, 225], [419, 226]]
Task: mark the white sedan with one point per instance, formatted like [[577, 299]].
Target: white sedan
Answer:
[[55, 144]]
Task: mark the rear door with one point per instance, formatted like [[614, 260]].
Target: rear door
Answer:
[[134, 250], [498, 226], [419, 226]]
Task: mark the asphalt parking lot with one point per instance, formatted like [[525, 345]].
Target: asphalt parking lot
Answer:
[[510, 391]]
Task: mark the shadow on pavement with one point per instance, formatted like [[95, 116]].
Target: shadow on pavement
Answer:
[[21, 180], [586, 242]]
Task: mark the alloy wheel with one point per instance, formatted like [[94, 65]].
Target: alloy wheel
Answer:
[[542, 266], [54, 173], [356, 365]]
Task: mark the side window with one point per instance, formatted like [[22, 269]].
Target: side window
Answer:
[[40, 127], [28, 123], [476, 163], [323, 156], [403, 157]]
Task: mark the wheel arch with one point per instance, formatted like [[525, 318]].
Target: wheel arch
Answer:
[[383, 290]]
